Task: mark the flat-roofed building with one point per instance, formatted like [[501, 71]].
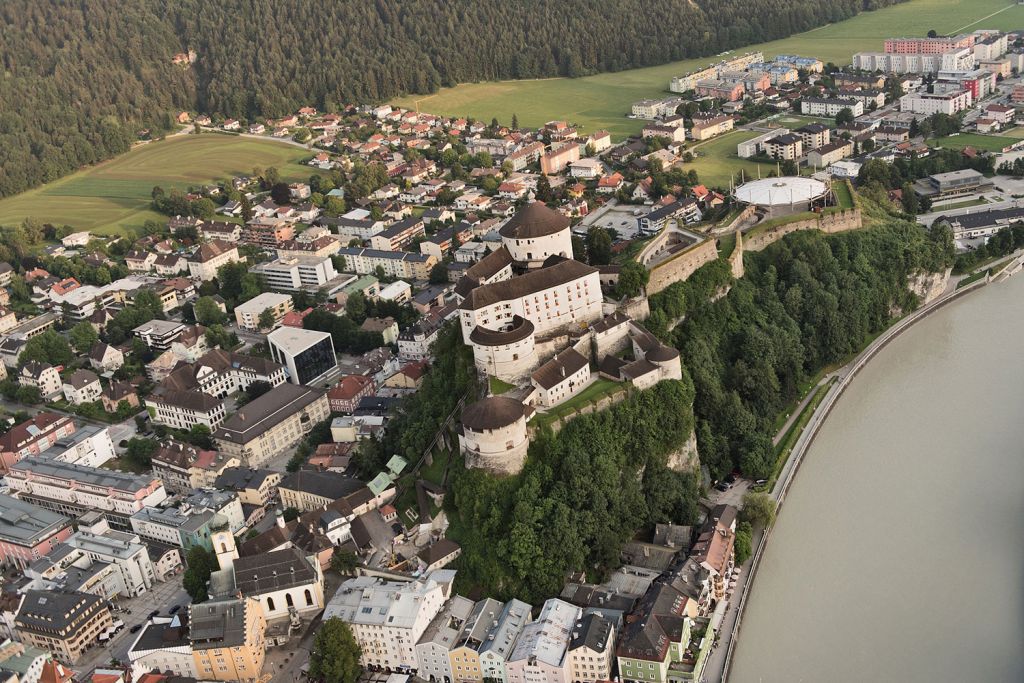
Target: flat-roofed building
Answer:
[[247, 314], [308, 355], [29, 532], [294, 273], [74, 490], [159, 334], [272, 423]]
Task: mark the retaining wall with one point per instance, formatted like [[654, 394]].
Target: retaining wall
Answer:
[[829, 223]]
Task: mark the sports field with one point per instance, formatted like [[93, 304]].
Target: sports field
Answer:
[[113, 197], [603, 100], [988, 143]]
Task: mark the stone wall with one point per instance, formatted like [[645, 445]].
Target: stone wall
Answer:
[[681, 266], [829, 223], [601, 404], [736, 258]]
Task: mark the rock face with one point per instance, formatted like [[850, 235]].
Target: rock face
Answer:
[[686, 459], [928, 286]]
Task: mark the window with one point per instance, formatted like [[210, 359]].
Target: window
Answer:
[[309, 598], [270, 604], [288, 599]]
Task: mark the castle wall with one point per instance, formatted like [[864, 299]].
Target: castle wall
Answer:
[[681, 266], [829, 223]]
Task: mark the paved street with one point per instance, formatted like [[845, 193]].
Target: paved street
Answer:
[[163, 596]]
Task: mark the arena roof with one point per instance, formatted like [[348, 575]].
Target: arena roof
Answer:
[[780, 191]]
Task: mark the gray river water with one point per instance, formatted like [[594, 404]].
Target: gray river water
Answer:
[[899, 554]]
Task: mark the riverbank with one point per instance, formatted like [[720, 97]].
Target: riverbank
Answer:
[[721, 658]]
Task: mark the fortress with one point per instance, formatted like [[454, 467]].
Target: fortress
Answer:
[[534, 319]]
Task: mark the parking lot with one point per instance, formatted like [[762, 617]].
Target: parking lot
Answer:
[[620, 219]]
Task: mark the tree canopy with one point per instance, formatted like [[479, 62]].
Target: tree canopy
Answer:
[[87, 101]]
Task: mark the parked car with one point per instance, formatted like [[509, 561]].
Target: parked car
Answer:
[[174, 610], [135, 629]]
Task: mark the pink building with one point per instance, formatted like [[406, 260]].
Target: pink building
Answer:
[[540, 652], [32, 437], [29, 532], [928, 46]]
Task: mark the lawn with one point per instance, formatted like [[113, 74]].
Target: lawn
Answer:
[[726, 245], [988, 143], [113, 197], [602, 100], [843, 195], [717, 161], [499, 387], [792, 121], [961, 205]]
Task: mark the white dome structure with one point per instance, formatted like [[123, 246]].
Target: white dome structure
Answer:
[[535, 233], [794, 192]]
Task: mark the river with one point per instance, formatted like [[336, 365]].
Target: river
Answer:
[[899, 553]]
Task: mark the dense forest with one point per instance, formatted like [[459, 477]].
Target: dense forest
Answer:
[[82, 78], [582, 494], [806, 303]]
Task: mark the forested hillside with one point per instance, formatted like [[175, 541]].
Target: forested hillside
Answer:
[[82, 77]]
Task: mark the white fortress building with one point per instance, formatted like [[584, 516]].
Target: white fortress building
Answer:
[[508, 354], [563, 294], [535, 233], [494, 435]]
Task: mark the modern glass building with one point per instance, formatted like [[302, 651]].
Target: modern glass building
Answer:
[[308, 355]]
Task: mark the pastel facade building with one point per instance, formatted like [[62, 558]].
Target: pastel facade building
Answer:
[[29, 532], [591, 652], [247, 314], [227, 639], [65, 624], [74, 490], [388, 618], [540, 653]]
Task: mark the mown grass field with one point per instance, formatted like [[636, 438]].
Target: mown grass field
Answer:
[[989, 143], [113, 197], [602, 100], [717, 161]]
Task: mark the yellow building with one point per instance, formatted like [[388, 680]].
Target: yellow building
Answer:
[[227, 639]]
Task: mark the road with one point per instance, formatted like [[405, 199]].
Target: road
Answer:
[[162, 596]]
